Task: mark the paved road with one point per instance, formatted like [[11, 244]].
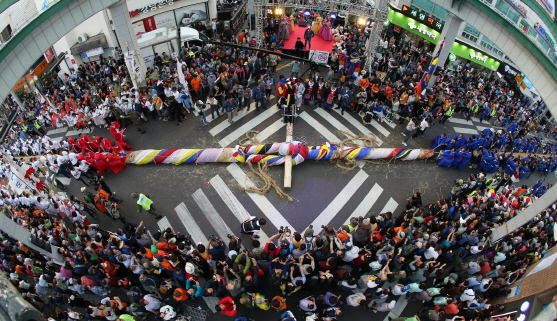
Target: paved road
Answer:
[[205, 199]]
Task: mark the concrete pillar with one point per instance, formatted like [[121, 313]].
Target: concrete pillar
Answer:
[[213, 8], [126, 37], [453, 27]]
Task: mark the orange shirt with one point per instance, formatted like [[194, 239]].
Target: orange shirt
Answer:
[[364, 83], [196, 84], [183, 296]]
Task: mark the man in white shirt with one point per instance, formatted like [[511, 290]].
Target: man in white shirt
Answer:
[[150, 303]]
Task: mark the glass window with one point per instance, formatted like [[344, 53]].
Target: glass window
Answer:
[[424, 4], [513, 15], [502, 6], [440, 12]]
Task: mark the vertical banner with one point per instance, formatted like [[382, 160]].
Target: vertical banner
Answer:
[[422, 85], [134, 67], [149, 24], [16, 176]]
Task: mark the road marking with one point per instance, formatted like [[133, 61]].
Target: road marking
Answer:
[[340, 200], [399, 307], [233, 203], [367, 203], [79, 131], [211, 214], [273, 128], [57, 139], [359, 126], [380, 128], [163, 223], [482, 128], [190, 224], [390, 206], [240, 131], [337, 124], [461, 121], [57, 131], [65, 180], [271, 213], [461, 130], [327, 134], [390, 123], [225, 124], [476, 119]]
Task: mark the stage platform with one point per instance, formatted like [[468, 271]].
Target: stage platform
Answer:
[[317, 43]]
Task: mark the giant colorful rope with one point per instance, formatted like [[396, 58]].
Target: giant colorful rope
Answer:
[[273, 154]]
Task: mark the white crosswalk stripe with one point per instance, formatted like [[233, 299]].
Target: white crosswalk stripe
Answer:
[[225, 124], [390, 206], [241, 131], [65, 180], [57, 131], [461, 121], [273, 128], [271, 213], [367, 203], [361, 127], [211, 214], [163, 224], [190, 224], [336, 124], [329, 136], [340, 200], [234, 204], [461, 130], [79, 131]]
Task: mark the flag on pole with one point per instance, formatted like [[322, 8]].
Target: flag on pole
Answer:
[[422, 85]]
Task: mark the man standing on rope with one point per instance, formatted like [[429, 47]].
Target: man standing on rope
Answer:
[[145, 203]]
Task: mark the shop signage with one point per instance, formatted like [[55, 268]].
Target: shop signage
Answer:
[[93, 52], [474, 56], [452, 57], [320, 57], [49, 55], [548, 6], [423, 17], [396, 28], [509, 71], [465, 52], [544, 35], [413, 26], [151, 8], [518, 7]]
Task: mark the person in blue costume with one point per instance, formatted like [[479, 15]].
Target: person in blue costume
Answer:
[[523, 170], [439, 142], [461, 159], [451, 144], [447, 158], [472, 143], [501, 142], [482, 141], [538, 184], [485, 114], [506, 121], [487, 132], [510, 166], [460, 140]]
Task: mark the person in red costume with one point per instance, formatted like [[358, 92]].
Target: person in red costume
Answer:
[[107, 144], [100, 162], [118, 134], [81, 145], [91, 144], [116, 163], [226, 306]]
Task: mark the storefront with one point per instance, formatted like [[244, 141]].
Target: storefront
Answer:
[[412, 28], [471, 55], [149, 15]]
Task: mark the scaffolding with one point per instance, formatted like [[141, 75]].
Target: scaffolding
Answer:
[[377, 14]]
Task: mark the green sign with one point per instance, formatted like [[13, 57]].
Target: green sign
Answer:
[[452, 57], [474, 56], [414, 26]]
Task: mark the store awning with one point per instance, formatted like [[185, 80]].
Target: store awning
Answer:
[[91, 43], [55, 62]]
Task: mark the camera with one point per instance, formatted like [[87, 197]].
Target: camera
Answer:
[[281, 230], [311, 227], [214, 238], [360, 219], [230, 236]]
